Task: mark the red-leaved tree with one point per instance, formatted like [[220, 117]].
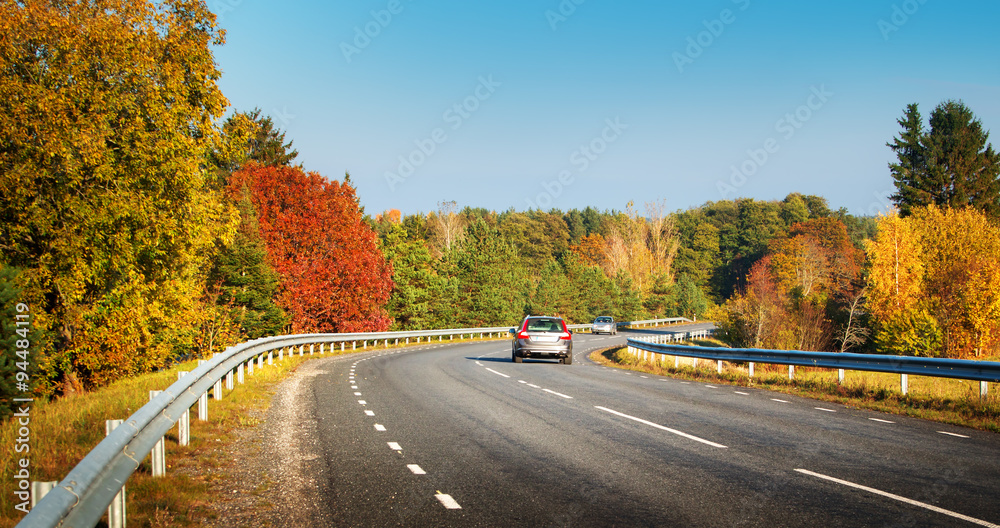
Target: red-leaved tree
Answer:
[[334, 278]]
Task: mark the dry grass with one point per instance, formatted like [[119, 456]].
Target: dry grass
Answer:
[[943, 400]]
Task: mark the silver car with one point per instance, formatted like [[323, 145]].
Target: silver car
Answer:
[[542, 337], [604, 324]]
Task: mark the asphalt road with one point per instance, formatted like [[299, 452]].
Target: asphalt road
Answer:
[[458, 435]]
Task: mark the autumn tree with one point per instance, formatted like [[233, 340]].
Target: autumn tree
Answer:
[[934, 285], [446, 226], [106, 112], [952, 164], [333, 276]]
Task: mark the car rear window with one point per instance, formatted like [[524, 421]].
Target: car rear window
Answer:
[[544, 325]]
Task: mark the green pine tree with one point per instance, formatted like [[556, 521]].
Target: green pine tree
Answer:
[[952, 164]]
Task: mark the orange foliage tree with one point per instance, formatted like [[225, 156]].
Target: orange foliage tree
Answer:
[[333, 276]]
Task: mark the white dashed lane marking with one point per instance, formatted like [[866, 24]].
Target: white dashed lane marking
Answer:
[[954, 434], [416, 469], [395, 446], [370, 413], [561, 395], [498, 373], [379, 427], [881, 420], [661, 427], [899, 498], [779, 401], [447, 501], [824, 410]]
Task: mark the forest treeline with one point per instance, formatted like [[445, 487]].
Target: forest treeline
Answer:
[[143, 224]]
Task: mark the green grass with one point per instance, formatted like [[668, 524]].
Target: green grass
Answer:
[[63, 431], [943, 400]]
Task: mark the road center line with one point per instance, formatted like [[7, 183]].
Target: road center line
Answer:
[[953, 434], [447, 501], [824, 410], [899, 498], [658, 426], [395, 446], [881, 420], [497, 373], [561, 395], [416, 469]]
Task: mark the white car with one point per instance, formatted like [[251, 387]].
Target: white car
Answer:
[[604, 324]]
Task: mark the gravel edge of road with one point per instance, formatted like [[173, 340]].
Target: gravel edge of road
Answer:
[[268, 481]]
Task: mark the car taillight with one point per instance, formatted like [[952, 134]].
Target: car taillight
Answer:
[[565, 335], [522, 335]]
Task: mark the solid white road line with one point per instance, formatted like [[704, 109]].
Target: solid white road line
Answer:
[[497, 373], [416, 469], [658, 426], [954, 434], [558, 394], [447, 501], [533, 386], [899, 498]]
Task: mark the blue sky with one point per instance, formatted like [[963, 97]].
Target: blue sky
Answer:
[[573, 103]]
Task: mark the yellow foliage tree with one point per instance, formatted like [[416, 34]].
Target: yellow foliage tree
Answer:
[[107, 111], [934, 282]]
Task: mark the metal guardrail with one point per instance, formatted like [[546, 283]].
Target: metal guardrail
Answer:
[[82, 497], [917, 366]]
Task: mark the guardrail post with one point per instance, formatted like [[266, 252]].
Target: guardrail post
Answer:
[[260, 361], [116, 510], [217, 390], [311, 346], [364, 345], [158, 456], [791, 372], [751, 369], [250, 366], [184, 423], [677, 362], [840, 376], [719, 369], [904, 382], [239, 374], [203, 407], [39, 489], [984, 389], [270, 358]]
